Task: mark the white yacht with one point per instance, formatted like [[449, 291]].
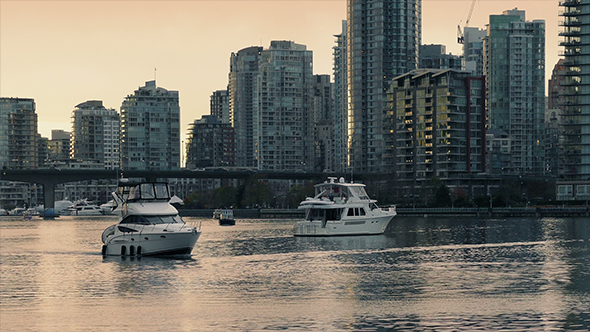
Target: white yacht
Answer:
[[149, 224], [83, 208], [340, 208]]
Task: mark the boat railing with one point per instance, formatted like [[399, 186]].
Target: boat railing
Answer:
[[390, 208], [195, 223]]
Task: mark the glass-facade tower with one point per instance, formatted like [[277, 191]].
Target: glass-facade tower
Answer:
[[18, 133], [95, 134], [576, 88], [383, 41], [286, 108], [150, 129], [514, 65], [243, 103]]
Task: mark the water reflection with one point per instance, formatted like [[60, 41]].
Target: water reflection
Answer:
[[442, 274]]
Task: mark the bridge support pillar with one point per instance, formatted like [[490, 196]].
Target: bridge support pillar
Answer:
[[49, 198]]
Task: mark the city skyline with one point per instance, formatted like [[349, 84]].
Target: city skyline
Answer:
[[63, 53]]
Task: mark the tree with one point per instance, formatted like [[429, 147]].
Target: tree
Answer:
[[224, 196], [298, 193], [257, 193], [442, 196]]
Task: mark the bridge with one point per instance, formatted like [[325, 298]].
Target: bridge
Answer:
[[50, 177]]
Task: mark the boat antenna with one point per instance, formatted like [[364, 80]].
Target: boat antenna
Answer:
[[351, 170]]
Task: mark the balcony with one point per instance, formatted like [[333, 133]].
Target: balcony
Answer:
[[570, 3], [570, 23], [570, 53], [568, 13]]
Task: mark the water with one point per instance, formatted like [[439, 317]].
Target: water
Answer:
[[424, 274]]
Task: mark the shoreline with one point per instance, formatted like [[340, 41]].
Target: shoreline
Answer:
[[535, 212]]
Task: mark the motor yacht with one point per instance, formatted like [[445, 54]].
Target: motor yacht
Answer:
[[149, 224], [341, 208], [83, 208]]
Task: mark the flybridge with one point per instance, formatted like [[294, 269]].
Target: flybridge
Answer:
[[143, 191]]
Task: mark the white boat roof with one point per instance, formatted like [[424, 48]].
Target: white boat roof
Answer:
[[332, 194]]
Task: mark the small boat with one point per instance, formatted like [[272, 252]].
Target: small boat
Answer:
[[225, 217], [149, 224], [17, 211], [340, 208], [83, 208], [60, 207]]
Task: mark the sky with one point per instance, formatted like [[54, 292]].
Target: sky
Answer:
[[62, 53]]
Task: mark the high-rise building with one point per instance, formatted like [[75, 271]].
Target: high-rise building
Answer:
[[150, 129], [473, 50], [95, 134], [286, 108], [556, 86], [514, 57], [244, 103], [59, 145], [340, 128], [576, 94], [323, 123], [383, 41], [210, 143], [554, 152], [436, 121], [436, 57], [18, 133], [219, 105], [271, 103]]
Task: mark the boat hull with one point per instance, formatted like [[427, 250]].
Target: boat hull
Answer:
[[356, 226], [85, 213], [227, 222], [145, 244]]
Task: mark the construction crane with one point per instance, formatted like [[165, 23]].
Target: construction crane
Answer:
[[460, 35]]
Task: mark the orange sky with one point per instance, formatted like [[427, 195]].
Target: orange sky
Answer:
[[62, 53]]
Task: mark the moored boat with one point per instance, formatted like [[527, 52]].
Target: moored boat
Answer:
[[341, 208], [225, 217], [149, 224], [83, 207]]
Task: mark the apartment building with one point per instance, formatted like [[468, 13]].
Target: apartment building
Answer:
[[18, 133], [436, 127], [244, 103], [95, 134], [150, 129], [383, 42], [210, 143], [514, 58], [340, 129], [435, 56], [219, 105]]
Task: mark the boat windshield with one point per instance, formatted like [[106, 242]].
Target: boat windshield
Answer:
[[332, 191], [149, 191], [360, 193], [152, 220]]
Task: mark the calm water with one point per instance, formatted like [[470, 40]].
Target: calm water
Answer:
[[425, 274]]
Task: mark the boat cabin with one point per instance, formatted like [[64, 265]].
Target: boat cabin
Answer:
[[337, 200], [340, 192]]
